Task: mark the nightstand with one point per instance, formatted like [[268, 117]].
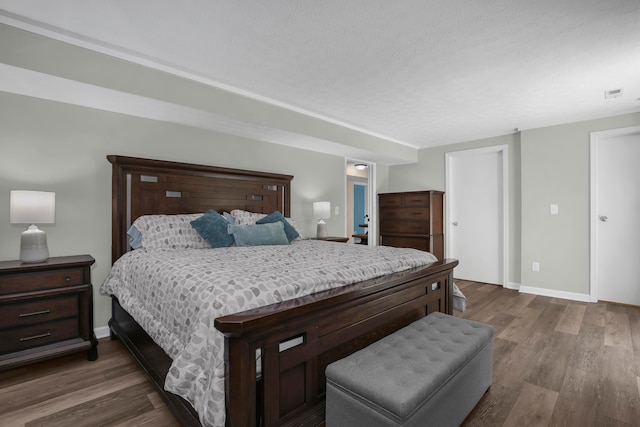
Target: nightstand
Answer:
[[334, 239], [47, 310]]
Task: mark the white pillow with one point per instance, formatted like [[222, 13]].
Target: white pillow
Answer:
[[246, 217], [170, 232], [250, 218]]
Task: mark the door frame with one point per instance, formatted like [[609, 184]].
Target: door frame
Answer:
[[372, 200], [595, 139], [449, 157]]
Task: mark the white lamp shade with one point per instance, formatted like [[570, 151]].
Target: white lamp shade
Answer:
[[321, 210], [32, 207]]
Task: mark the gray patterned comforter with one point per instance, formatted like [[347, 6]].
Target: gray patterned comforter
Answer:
[[175, 295]]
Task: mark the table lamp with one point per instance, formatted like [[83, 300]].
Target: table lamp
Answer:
[[31, 207], [321, 211]]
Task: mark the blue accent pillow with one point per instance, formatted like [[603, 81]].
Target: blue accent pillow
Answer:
[[259, 234], [229, 218], [135, 237], [213, 228], [277, 216]]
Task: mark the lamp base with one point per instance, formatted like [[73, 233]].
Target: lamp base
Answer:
[[33, 245], [321, 232]]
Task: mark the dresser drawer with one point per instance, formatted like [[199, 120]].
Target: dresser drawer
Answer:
[[411, 200], [390, 201], [404, 227], [27, 337], [406, 242], [40, 280], [405, 213], [36, 311]]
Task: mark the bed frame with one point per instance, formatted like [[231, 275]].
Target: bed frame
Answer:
[[298, 338]]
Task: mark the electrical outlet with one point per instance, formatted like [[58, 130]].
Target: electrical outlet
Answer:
[[336, 209], [553, 209], [535, 266]]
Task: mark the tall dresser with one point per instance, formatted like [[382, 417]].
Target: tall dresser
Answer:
[[412, 220]]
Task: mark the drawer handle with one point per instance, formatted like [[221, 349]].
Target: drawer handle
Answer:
[[35, 313], [67, 278], [48, 334]]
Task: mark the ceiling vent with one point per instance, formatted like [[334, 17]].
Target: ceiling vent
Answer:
[[613, 93]]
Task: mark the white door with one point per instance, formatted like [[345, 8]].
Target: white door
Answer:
[[476, 206], [616, 216]]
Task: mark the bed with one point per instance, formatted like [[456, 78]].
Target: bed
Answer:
[[295, 338]]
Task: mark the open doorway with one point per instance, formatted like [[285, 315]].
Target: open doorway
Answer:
[[360, 205]]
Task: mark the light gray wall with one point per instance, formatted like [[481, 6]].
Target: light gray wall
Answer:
[[547, 165], [50, 146], [555, 169], [429, 174]]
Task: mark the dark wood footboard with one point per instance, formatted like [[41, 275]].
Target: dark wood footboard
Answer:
[[300, 337]]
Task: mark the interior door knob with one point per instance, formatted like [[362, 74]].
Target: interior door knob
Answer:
[[455, 223], [603, 218]]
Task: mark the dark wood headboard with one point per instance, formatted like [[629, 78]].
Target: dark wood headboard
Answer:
[[145, 186]]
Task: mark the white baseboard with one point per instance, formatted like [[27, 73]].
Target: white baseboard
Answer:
[[101, 332], [512, 285], [555, 294]]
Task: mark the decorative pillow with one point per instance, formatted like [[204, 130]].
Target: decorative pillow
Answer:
[[229, 218], [277, 216], [259, 234], [213, 228], [135, 237], [246, 217], [170, 232]]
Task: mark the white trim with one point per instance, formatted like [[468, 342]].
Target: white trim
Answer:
[[372, 199], [373, 205], [504, 149], [595, 138], [102, 332], [555, 294], [513, 285]]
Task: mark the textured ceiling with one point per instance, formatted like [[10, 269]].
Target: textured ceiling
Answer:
[[421, 73]]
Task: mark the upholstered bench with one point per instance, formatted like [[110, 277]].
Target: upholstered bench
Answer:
[[429, 373]]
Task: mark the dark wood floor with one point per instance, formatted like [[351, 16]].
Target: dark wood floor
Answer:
[[556, 363]]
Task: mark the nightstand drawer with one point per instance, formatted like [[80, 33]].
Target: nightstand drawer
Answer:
[[38, 335], [37, 281], [42, 310]]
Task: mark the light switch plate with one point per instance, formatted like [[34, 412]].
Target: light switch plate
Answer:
[[554, 209]]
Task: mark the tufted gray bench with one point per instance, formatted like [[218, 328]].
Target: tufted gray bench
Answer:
[[430, 373]]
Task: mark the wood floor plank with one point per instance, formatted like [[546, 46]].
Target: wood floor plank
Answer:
[[595, 314], [22, 416], [160, 417], [534, 407], [513, 368], [589, 348], [617, 331], [571, 319], [576, 404], [494, 407], [76, 376], [619, 397], [548, 319], [519, 329], [130, 401], [519, 304], [550, 366]]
